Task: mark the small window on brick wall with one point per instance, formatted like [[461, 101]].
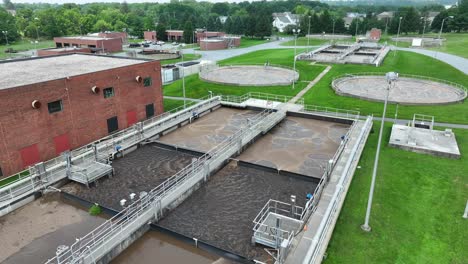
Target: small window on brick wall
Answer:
[[55, 106], [1, 172], [147, 81], [108, 92]]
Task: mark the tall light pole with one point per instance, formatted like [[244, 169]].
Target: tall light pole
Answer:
[[441, 27], [308, 35], [333, 34], [391, 77], [424, 29], [183, 73], [398, 35], [295, 32], [357, 24]]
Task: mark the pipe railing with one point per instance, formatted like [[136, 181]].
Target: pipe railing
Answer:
[[319, 239], [350, 114], [55, 168], [112, 227]]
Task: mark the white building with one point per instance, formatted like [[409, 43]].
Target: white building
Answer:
[[282, 20]]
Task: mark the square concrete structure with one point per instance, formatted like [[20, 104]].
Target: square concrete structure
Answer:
[[428, 141], [57, 103]]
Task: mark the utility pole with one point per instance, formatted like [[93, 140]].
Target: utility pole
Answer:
[[308, 35], [295, 32], [398, 36]]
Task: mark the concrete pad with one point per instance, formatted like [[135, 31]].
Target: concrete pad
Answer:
[[434, 142]]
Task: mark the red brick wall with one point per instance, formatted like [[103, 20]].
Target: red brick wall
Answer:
[[50, 52], [84, 115], [207, 45], [150, 35], [110, 45]]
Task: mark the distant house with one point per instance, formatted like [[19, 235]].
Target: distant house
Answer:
[[222, 19], [355, 15], [282, 20], [385, 16], [430, 17], [12, 12], [349, 20]]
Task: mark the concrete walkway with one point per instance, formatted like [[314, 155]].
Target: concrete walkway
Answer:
[[457, 62], [310, 85]]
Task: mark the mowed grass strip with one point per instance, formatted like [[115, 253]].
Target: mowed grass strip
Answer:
[[417, 208]]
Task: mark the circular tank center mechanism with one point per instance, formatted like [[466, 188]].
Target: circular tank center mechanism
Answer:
[[410, 91], [250, 75]]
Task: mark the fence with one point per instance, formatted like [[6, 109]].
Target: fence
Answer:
[[312, 204], [140, 211], [256, 95], [331, 111], [319, 242]]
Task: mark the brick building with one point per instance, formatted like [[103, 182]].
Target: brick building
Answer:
[[203, 34], [219, 43], [174, 35], [59, 51], [56, 103], [92, 42], [150, 36]]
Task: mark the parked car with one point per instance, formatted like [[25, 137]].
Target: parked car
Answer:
[[134, 45], [160, 43]]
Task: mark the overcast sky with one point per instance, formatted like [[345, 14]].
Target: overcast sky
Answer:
[[110, 1]]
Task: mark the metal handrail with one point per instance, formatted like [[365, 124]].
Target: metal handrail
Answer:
[[319, 238], [331, 110], [55, 166], [140, 206]]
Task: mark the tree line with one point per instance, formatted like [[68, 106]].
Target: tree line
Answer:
[[252, 19]]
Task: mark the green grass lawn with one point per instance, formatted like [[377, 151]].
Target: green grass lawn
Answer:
[[302, 41], [187, 57], [248, 42], [403, 62], [456, 44], [417, 208], [24, 45], [196, 88], [13, 178], [170, 104]]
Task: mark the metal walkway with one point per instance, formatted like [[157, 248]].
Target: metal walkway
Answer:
[[115, 231], [47, 173]]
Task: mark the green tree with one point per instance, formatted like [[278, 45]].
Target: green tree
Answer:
[[188, 32], [101, 25], [8, 5], [161, 32], [250, 26], [221, 9], [7, 24], [263, 27], [124, 7]]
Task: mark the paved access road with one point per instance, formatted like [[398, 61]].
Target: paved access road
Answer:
[[457, 62]]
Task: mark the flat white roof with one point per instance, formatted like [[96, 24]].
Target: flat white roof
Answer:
[[24, 72], [85, 38]]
